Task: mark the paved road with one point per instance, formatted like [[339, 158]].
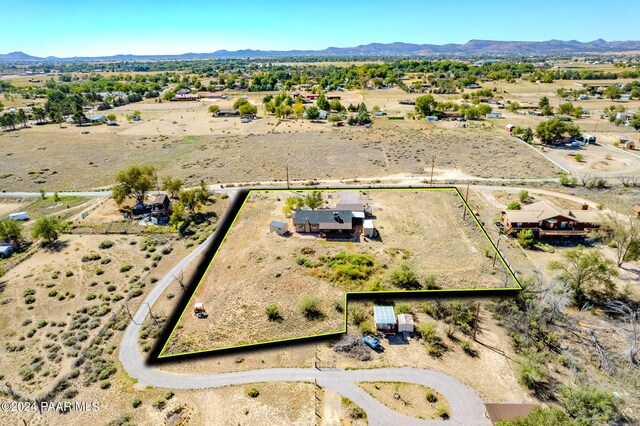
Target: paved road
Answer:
[[466, 406]]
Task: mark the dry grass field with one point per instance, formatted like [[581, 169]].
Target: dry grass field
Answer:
[[408, 398], [65, 159], [254, 269]]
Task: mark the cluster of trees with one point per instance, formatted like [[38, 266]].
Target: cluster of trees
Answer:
[[312, 201], [245, 108], [554, 130]]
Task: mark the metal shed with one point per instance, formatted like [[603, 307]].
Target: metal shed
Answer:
[[405, 323], [279, 227], [368, 227], [385, 319]]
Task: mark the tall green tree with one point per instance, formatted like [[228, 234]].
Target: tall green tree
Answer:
[[135, 182], [425, 105], [47, 228], [10, 229], [313, 200], [172, 186], [554, 129]]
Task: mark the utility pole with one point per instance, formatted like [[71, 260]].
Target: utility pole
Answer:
[[287, 168], [475, 321], [495, 255], [466, 197], [433, 163]]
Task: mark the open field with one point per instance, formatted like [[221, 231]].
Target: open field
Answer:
[[81, 161], [423, 230]]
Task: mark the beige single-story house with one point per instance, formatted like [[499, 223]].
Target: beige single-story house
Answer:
[[546, 219]]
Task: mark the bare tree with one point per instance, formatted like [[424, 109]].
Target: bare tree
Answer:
[[632, 316], [624, 232], [585, 178]]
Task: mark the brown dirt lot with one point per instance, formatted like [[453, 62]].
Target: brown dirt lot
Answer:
[[423, 229], [407, 398]]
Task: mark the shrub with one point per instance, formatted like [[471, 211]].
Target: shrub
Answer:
[[91, 296], [136, 403], [403, 308], [126, 268], [431, 397], [68, 274], [514, 206], [272, 312], [104, 384], [26, 374], [443, 414], [253, 392], [169, 394], [405, 278], [28, 292], [523, 196], [159, 404], [468, 348], [105, 261], [357, 316], [106, 244], [99, 271], [29, 300], [526, 239], [91, 257], [309, 307], [167, 250], [579, 157]]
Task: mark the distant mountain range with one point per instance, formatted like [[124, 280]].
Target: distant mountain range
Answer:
[[471, 48]]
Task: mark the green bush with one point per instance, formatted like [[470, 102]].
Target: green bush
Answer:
[[137, 402], [404, 277], [443, 414], [126, 268], [105, 384], [403, 308], [106, 244], [526, 239], [91, 257], [431, 397], [253, 392], [272, 312], [515, 205], [159, 404], [310, 308]]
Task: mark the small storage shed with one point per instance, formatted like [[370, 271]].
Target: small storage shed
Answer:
[[279, 227], [385, 319], [367, 227], [405, 323]]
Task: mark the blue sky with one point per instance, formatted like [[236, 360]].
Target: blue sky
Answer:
[[92, 28]]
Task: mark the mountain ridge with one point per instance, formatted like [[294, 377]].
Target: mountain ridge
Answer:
[[473, 47]]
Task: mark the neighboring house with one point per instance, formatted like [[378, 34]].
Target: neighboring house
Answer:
[[161, 204], [494, 115], [546, 219], [98, 119], [228, 113], [474, 86], [384, 318], [312, 96], [625, 97], [186, 97], [183, 92], [622, 116], [509, 128], [407, 102]]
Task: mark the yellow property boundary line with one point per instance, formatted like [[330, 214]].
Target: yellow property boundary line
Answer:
[[157, 354]]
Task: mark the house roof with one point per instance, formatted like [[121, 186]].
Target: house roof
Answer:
[[384, 315], [278, 223], [161, 199], [545, 210], [322, 216]]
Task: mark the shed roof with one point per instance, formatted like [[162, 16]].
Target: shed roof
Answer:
[[278, 223], [405, 319], [161, 199], [384, 315]]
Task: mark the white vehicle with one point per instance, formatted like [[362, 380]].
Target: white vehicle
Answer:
[[19, 216]]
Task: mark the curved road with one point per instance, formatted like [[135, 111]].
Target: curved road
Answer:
[[466, 406]]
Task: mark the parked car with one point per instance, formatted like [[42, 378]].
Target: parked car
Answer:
[[6, 250]]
